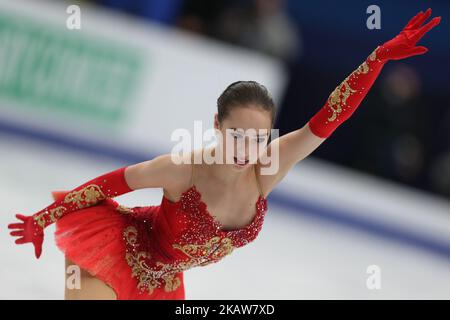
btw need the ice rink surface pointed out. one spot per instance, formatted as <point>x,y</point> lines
<point>326,226</point>
<point>297,255</point>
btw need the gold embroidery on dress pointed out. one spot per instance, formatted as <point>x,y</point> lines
<point>373,55</point>
<point>85,197</point>
<point>152,277</point>
<point>147,277</point>
<point>363,68</point>
<point>215,248</point>
<point>54,214</point>
<point>335,101</point>
<point>57,213</point>
<point>123,209</point>
<point>136,261</point>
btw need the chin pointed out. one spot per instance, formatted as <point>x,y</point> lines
<point>240,167</point>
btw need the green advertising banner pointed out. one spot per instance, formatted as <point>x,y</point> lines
<point>47,68</point>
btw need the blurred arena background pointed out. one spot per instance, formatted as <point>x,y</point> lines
<point>77,103</point>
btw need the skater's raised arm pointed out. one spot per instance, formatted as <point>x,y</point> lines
<point>159,172</point>
<point>344,100</point>
<point>151,173</point>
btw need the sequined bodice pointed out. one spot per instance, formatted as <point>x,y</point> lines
<point>163,240</point>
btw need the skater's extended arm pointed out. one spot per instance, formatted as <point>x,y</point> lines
<point>31,229</point>
<point>151,173</point>
<point>347,96</point>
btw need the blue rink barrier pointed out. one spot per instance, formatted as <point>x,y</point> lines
<point>297,204</point>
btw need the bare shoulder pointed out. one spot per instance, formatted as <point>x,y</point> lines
<point>163,171</point>
<point>282,154</point>
<point>267,175</point>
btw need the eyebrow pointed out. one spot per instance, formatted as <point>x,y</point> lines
<point>259,135</point>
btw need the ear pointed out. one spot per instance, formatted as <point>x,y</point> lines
<point>216,121</point>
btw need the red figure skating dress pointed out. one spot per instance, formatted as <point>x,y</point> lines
<point>141,252</point>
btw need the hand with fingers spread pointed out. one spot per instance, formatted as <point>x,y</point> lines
<point>346,97</point>
<point>28,231</point>
<point>404,44</point>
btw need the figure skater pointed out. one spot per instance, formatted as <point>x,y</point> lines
<point>207,210</point>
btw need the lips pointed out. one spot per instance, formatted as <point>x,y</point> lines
<point>241,163</point>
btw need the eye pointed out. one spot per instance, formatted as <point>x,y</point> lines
<point>236,136</point>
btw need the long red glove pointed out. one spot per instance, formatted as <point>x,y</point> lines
<point>31,229</point>
<point>344,100</point>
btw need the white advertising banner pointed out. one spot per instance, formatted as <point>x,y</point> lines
<point>117,80</point>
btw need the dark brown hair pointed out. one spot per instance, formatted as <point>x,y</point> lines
<point>243,93</point>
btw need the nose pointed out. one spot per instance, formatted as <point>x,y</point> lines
<point>243,149</point>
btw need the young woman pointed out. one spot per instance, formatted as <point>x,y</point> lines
<point>207,210</point>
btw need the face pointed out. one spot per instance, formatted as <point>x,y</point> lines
<point>241,130</point>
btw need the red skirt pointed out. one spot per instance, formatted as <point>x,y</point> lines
<point>93,239</point>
